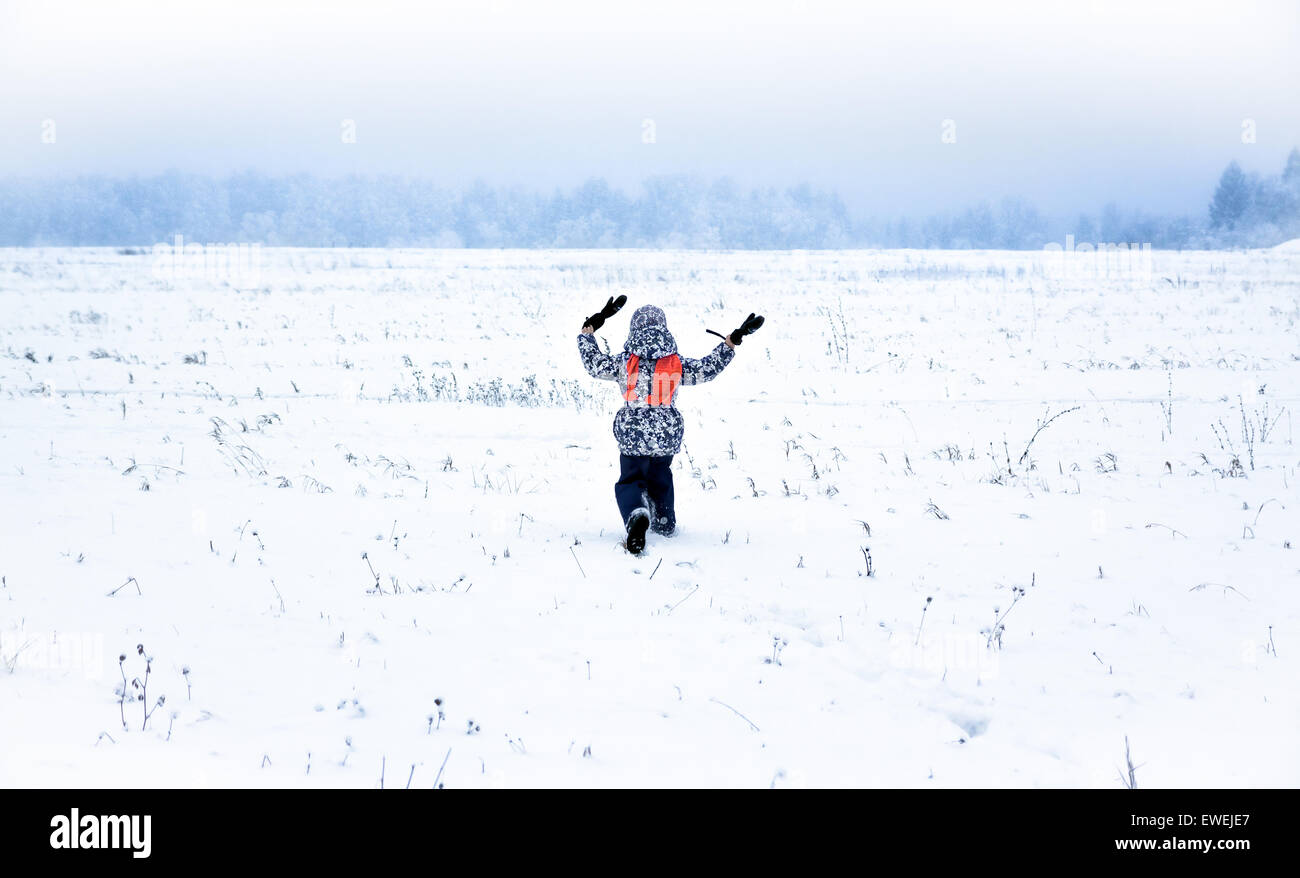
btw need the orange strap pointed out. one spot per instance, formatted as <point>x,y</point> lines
<point>667,377</point>
<point>633,369</point>
<point>668,374</point>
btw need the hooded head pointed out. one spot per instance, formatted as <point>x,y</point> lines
<point>649,336</point>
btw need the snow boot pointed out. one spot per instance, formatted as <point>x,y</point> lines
<point>664,525</point>
<point>637,524</point>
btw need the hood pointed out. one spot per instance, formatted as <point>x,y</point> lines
<point>649,336</point>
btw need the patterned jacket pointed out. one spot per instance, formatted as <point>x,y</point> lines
<point>649,422</point>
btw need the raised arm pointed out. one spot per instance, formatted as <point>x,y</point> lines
<point>709,367</point>
<point>597,363</point>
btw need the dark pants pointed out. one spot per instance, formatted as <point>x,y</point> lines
<point>647,481</point>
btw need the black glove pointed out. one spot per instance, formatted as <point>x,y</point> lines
<point>597,320</point>
<point>752,322</point>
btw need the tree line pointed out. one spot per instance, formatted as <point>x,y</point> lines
<point>670,211</point>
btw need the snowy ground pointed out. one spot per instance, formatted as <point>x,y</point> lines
<point>323,497</point>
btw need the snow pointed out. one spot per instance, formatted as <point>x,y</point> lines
<point>339,415</point>
<point>1292,246</point>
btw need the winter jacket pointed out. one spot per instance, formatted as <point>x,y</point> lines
<point>649,422</point>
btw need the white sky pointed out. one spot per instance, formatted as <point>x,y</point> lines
<point>1068,104</point>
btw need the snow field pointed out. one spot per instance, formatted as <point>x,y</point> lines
<point>327,494</point>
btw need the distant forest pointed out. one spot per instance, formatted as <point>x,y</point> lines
<point>1243,210</point>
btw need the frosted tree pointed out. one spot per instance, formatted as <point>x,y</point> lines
<point>1231,198</point>
<point>1291,173</point>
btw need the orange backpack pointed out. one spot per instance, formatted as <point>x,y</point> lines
<point>667,376</point>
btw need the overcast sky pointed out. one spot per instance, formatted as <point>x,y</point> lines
<point>1069,105</point>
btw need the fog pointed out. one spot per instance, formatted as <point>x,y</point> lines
<point>1068,106</point>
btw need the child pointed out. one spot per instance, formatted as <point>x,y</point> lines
<point>648,427</point>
